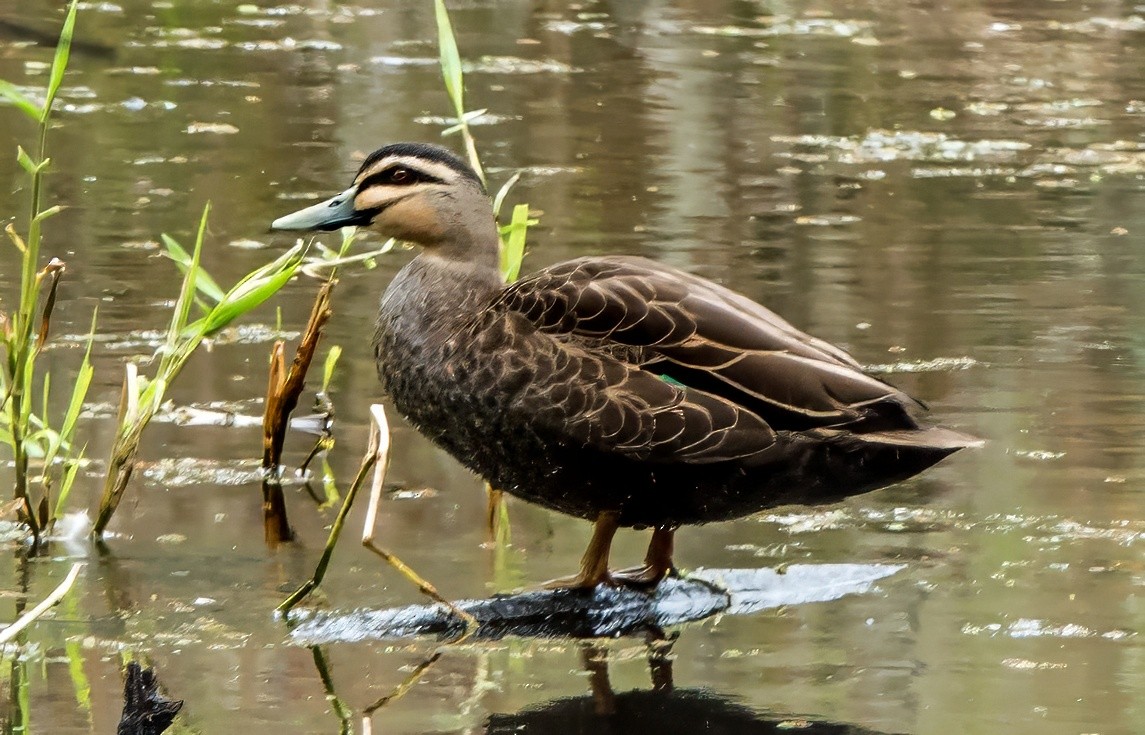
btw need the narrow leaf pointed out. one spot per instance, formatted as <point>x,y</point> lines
<point>50,211</point>
<point>503,192</point>
<point>513,251</point>
<point>450,58</point>
<point>15,238</point>
<point>66,481</point>
<point>186,295</point>
<point>9,92</point>
<point>233,307</point>
<point>328,369</point>
<point>182,259</point>
<point>60,62</point>
<point>25,160</point>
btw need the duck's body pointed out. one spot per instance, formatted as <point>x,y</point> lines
<point>613,388</point>
<point>544,406</point>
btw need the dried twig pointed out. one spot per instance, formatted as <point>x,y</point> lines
<point>282,392</point>
<point>29,617</point>
<point>375,460</point>
<point>286,386</point>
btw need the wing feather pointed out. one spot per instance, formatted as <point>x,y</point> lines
<point>712,340</point>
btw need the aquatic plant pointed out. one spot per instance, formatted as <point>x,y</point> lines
<point>25,329</point>
<point>142,397</point>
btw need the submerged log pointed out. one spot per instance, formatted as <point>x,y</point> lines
<point>604,611</point>
<point>145,710</point>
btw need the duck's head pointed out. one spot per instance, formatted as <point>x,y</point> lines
<point>415,192</point>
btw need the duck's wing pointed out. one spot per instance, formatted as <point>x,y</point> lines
<point>567,393</point>
<point>687,329</point>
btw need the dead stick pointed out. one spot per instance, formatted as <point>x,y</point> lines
<point>29,617</point>
<point>382,427</point>
<point>367,464</point>
<point>284,390</point>
<point>376,459</point>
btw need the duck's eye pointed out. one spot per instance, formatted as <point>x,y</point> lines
<point>399,176</point>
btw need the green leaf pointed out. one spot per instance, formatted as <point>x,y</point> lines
<point>513,247</point>
<point>328,369</point>
<point>237,304</point>
<point>60,62</point>
<point>25,160</point>
<point>50,211</point>
<point>450,58</point>
<point>186,297</point>
<point>182,259</point>
<point>9,92</point>
<point>66,482</point>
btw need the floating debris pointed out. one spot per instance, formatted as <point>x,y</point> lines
<point>188,471</point>
<point>933,365</point>
<point>1033,628</point>
<point>215,128</point>
<point>1039,454</point>
<point>516,65</point>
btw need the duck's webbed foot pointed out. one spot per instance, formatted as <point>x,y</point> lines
<point>657,563</point>
<point>594,563</point>
<point>594,566</point>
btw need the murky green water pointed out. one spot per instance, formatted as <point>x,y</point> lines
<point>956,194</point>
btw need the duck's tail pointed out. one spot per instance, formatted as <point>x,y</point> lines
<point>933,438</point>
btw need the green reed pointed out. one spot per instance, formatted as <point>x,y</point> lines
<point>142,396</point>
<point>25,329</point>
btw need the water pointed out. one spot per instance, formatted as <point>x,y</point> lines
<point>955,194</point>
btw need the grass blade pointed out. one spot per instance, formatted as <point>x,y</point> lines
<point>503,192</point>
<point>513,251</point>
<point>450,59</point>
<point>182,259</point>
<point>328,368</point>
<point>60,61</point>
<point>186,295</point>
<point>9,92</point>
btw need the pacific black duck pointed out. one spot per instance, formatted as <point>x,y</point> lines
<point>614,389</point>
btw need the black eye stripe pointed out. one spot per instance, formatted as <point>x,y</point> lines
<point>385,178</point>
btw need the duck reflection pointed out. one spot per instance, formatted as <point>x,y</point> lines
<point>664,709</point>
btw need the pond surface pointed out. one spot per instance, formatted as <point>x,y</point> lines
<point>955,193</point>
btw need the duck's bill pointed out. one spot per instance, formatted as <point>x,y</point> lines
<point>332,214</point>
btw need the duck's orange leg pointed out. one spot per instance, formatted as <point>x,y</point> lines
<point>657,562</point>
<point>594,563</point>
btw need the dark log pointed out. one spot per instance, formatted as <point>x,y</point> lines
<point>604,611</point>
<point>145,710</point>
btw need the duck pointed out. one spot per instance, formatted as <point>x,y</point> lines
<point>611,388</point>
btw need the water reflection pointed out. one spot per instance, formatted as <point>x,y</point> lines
<point>664,708</point>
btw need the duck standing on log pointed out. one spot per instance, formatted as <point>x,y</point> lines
<point>614,389</point>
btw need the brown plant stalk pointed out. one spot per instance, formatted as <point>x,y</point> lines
<point>283,389</point>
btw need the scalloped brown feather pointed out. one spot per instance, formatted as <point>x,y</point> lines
<point>712,339</point>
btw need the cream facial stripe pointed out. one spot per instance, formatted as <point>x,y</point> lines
<point>418,166</point>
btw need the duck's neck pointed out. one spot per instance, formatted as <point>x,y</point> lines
<point>469,239</point>
<point>435,294</point>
